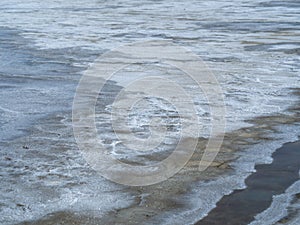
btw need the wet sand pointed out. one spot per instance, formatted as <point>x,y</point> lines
<point>253,47</point>
<point>151,202</point>
<point>241,206</point>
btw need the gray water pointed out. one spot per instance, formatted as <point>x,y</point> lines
<point>251,46</point>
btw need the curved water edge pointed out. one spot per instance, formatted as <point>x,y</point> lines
<point>268,181</point>
<point>181,199</point>
<point>253,48</point>
<point>249,147</point>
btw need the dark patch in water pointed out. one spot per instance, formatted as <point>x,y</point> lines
<point>130,35</point>
<point>289,4</point>
<point>251,26</point>
<point>272,47</point>
<point>20,57</point>
<point>35,82</point>
<point>224,59</point>
<point>241,206</point>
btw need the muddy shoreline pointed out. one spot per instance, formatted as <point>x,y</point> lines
<point>151,202</point>
<point>241,206</point>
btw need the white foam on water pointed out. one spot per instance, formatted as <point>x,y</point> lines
<point>279,207</point>
<point>95,199</point>
<point>255,83</point>
<point>205,195</point>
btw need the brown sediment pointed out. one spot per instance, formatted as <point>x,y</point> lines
<point>152,201</point>
<point>64,218</point>
<point>165,196</point>
<point>241,206</point>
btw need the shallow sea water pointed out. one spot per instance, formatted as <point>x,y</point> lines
<point>251,46</point>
